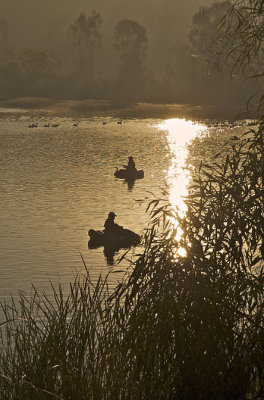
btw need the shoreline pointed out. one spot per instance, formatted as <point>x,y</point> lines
<point>102,108</point>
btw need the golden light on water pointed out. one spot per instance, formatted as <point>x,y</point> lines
<point>179,133</point>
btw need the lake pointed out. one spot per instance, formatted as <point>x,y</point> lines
<point>58,182</point>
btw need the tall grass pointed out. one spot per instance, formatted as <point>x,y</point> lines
<point>178,327</point>
<point>58,347</point>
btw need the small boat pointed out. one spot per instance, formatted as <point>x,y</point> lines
<point>128,174</point>
<point>124,238</point>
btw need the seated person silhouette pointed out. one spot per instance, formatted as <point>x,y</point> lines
<point>110,226</point>
<point>131,165</point>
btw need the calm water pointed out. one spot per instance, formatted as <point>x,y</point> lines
<point>57,183</point>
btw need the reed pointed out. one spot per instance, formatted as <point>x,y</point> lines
<point>58,347</point>
<point>177,327</point>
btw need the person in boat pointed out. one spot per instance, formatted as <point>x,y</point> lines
<point>131,167</point>
<point>110,226</point>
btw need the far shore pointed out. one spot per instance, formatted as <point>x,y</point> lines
<point>103,108</point>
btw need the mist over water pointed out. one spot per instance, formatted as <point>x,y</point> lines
<point>76,51</point>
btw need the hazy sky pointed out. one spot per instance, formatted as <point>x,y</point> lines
<point>45,22</point>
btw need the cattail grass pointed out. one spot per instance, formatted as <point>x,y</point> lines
<point>177,327</point>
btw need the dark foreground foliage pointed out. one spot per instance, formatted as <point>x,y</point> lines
<point>179,327</point>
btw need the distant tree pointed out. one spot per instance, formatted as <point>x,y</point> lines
<point>211,52</point>
<point>38,63</point>
<point>4,36</point>
<point>29,72</point>
<point>86,32</point>
<point>181,71</point>
<point>206,36</point>
<point>243,38</point>
<point>130,42</point>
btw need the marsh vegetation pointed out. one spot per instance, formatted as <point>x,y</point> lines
<point>178,326</point>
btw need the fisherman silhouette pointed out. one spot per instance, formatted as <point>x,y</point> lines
<point>131,164</point>
<point>110,226</point>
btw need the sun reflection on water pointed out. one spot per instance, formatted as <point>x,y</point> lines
<point>179,133</point>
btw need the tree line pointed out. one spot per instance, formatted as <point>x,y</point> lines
<point>193,72</point>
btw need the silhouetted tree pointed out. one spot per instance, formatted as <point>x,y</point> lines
<point>130,41</point>
<point>4,36</point>
<point>206,37</point>
<point>29,72</point>
<point>219,83</point>
<point>86,31</point>
<point>242,34</point>
<point>178,65</point>
<point>38,63</point>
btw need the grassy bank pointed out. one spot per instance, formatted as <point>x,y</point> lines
<point>178,327</point>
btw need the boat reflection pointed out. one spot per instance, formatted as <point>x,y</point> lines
<point>130,181</point>
<point>109,252</point>
<point>130,184</point>
<point>179,133</point>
